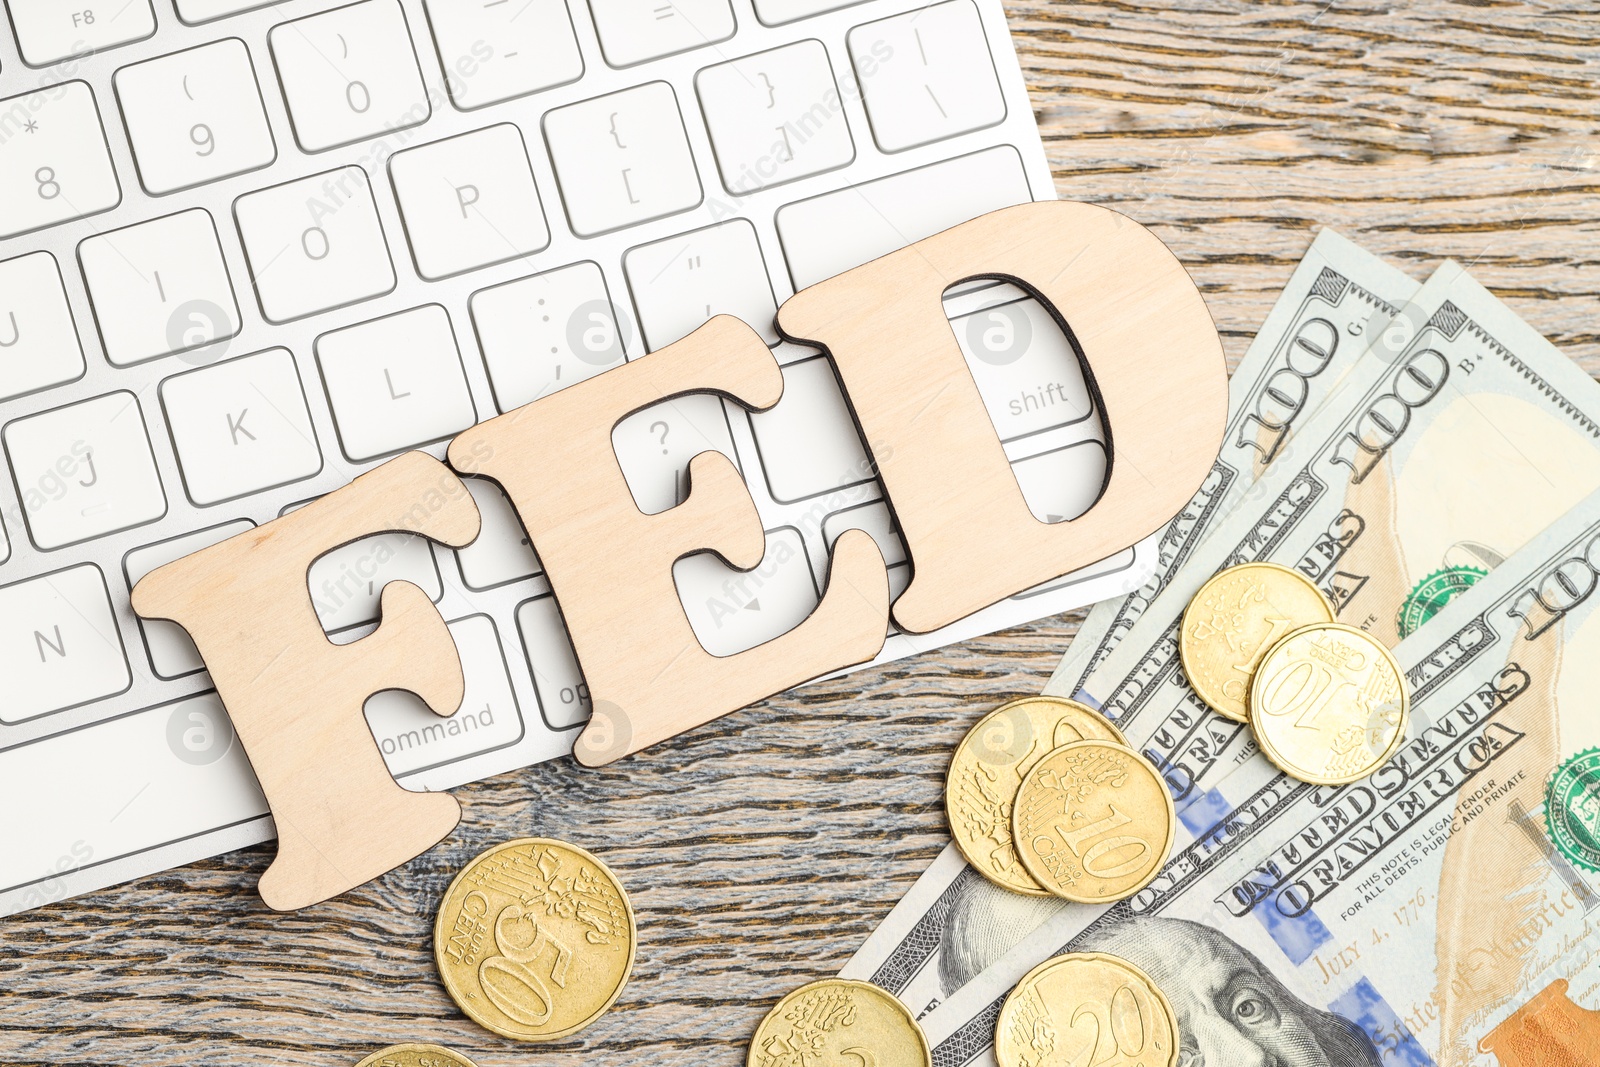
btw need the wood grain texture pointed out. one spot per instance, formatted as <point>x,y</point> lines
<point>761,849</point>
<point>1143,332</point>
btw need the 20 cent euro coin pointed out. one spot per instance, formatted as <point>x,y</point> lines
<point>1234,620</point>
<point>413,1055</point>
<point>839,1021</point>
<point>1086,1008</point>
<point>535,939</point>
<point>988,767</point>
<point>1093,822</point>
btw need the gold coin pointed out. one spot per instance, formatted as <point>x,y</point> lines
<point>1093,822</point>
<point>1086,1007</point>
<point>1234,620</point>
<point>838,1021</point>
<point>1329,704</point>
<point>412,1055</point>
<point>535,939</point>
<point>988,767</point>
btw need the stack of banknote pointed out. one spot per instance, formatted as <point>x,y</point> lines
<point>1431,463</point>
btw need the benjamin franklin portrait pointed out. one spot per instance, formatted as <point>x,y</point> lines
<point>1232,1011</point>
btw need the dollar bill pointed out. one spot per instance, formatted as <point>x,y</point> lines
<point>1459,436</point>
<point>1338,297</point>
<point>1433,914</point>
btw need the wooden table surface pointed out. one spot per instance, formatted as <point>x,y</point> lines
<point>761,850</point>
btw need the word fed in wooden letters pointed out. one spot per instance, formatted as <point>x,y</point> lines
<point>1153,361</point>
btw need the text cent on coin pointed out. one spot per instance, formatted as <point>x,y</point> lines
<point>412,1055</point>
<point>839,1021</point>
<point>1093,822</point>
<point>1086,1007</point>
<point>1234,620</point>
<point>535,939</point>
<point>988,767</point>
<point>1329,704</point>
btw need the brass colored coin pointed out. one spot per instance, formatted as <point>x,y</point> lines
<point>1093,822</point>
<point>535,939</point>
<point>1086,1007</point>
<point>988,767</point>
<point>1329,704</point>
<point>1234,620</point>
<point>839,1021</point>
<point>411,1055</point>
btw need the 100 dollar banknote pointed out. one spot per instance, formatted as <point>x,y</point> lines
<point>1338,297</point>
<point>1440,912</point>
<point>1460,436</point>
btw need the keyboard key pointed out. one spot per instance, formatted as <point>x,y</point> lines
<point>349,74</point>
<point>734,611</point>
<point>1064,483</point>
<point>778,12</point>
<point>831,233</point>
<point>654,447</point>
<point>149,779</point>
<point>932,75</point>
<point>48,31</point>
<point>59,645</point>
<point>240,427</point>
<point>775,117</point>
<point>632,31</point>
<point>314,244</point>
<point>412,738</point>
<point>495,51</point>
<point>874,519</point>
<point>622,158</point>
<point>563,694</point>
<point>195,12</point>
<point>159,287</point>
<point>56,166</point>
<point>682,281</point>
<point>38,341</point>
<point>502,553</point>
<point>395,382</point>
<point>172,651</point>
<point>347,583</point>
<point>1025,369</point>
<point>543,333</point>
<point>84,470</point>
<point>195,117</point>
<point>808,441</point>
<point>469,201</point>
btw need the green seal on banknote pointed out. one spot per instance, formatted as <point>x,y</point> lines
<point>1431,594</point>
<point>1572,809</point>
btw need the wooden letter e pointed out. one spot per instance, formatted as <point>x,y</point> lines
<point>610,565</point>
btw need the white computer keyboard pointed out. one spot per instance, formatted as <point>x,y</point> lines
<point>248,251</point>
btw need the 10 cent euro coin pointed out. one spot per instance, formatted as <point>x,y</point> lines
<point>988,768</point>
<point>843,1022</point>
<point>1086,1008</point>
<point>1329,704</point>
<point>1093,822</point>
<point>535,939</point>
